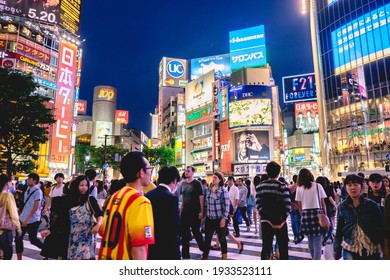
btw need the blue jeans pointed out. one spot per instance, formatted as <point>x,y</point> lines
<point>315,246</point>
<point>329,233</point>
<point>249,212</point>
<point>348,255</point>
<point>295,223</point>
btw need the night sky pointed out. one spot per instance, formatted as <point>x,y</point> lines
<point>125,41</point>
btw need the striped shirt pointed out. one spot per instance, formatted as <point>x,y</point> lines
<point>127,223</point>
<point>217,203</point>
<point>273,201</point>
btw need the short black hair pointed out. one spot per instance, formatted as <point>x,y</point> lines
<point>91,174</point>
<point>256,180</point>
<point>231,178</point>
<point>4,178</point>
<point>168,174</point>
<point>273,169</point>
<point>131,164</point>
<point>34,176</point>
<point>61,175</point>
<point>295,177</point>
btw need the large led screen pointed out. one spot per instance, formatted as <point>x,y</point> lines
<point>66,13</point>
<point>299,88</point>
<point>306,116</point>
<point>247,48</point>
<point>219,63</point>
<point>250,106</point>
<point>252,146</point>
<point>362,40</point>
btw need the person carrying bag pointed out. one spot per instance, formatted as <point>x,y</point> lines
<point>9,219</point>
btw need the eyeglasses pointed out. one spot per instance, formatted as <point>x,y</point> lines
<point>151,168</point>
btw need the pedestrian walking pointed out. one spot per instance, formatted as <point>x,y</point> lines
<point>166,216</point>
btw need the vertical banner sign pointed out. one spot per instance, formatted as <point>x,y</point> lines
<point>215,108</point>
<point>64,104</point>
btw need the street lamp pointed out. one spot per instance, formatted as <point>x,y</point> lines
<point>87,159</point>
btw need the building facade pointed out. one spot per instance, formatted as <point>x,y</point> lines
<point>353,65</point>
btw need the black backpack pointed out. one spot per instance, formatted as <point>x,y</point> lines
<point>19,196</point>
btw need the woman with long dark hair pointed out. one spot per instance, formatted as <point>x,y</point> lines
<point>8,202</point>
<point>310,197</point>
<point>82,207</point>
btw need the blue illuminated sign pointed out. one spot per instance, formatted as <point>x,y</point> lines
<point>175,68</point>
<point>219,63</point>
<point>45,83</point>
<point>247,48</point>
<point>361,41</point>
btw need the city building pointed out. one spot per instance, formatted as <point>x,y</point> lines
<point>352,64</point>
<point>45,41</point>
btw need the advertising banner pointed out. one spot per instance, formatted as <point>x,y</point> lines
<point>181,110</point>
<point>65,12</point>
<point>37,53</point>
<point>226,142</point>
<point>306,116</point>
<point>121,116</point>
<point>199,91</point>
<point>250,106</point>
<point>252,146</point>
<point>247,48</point>
<point>60,147</point>
<point>198,116</point>
<point>223,95</point>
<point>362,40</point>
<point>299,88</point>
<point>173,72</point>
<point>82,107</point>
<point>144,139</point>
<point>154,126</point>
<point>103,128</point>
<point>69,15</point>
<point>215,102</point>
<point>219,63</point>
<point>45,11</point>
<point>245,169</point>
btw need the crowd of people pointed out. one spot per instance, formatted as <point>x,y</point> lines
<point>138,220</point>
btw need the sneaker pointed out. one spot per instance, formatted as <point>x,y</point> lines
<point>236,235</point>
<point>215,247</point>
<point>248,229</point>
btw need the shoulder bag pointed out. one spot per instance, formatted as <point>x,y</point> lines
<point>90,208</point>
<point>322,218</point>
<point>5,219</point>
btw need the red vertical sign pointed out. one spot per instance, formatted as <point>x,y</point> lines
<point>60,148</point>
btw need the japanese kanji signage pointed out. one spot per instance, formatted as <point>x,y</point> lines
<point>64,104</point>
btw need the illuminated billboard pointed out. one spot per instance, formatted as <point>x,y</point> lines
<point>299,88</point>
<point>69,15</point>
<point>250,106</point>
<point>252,146</point>
<point>199,91</point>
<point>173,72</point>
<point>66,13</point>
<point>60,146</point>
<point>121,116</point>
<point>203,65</point>
<point>82,107</point>
<point>306,116</point>
<point>247,48</point>
<point>362,40</point>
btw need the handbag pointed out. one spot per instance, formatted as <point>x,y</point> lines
<point>93,218</point>
<point>322,218</point>
<point>5,219</point>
